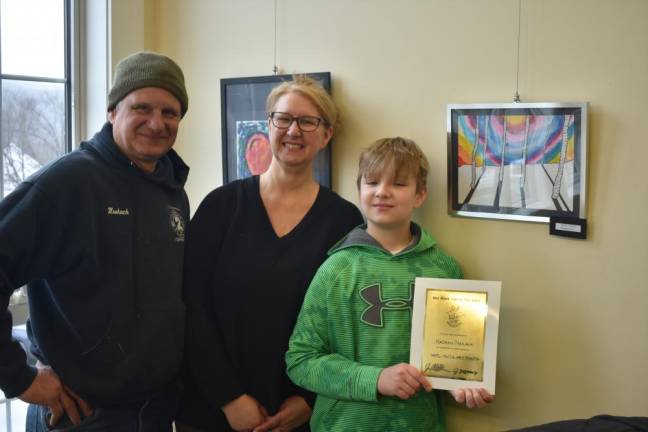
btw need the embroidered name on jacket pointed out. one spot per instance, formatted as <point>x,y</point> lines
<point>116,211</point>
<point>372,295</point>
<point>177,223</point>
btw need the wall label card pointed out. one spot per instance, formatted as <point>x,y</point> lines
<point>568,227</point>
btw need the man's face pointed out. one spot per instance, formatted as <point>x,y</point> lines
<point>145,125</point>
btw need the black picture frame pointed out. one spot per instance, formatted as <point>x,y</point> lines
<point>517,161</point>
<point>244,122</point>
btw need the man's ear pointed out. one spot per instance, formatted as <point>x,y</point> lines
<point>111,115</point>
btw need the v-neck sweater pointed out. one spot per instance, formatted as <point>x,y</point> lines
<point>244,287</point>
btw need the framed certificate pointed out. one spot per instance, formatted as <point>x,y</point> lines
<point>454,332</point>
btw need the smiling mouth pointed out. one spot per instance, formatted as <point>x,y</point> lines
<point>293,146</point>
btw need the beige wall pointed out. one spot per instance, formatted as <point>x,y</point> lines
<point>574,327</point>
<point>128,28</point>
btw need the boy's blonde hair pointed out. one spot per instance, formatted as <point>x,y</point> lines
<point>403,153</point>
<point>311,90</point>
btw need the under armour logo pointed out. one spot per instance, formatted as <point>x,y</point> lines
<point>372,295</point>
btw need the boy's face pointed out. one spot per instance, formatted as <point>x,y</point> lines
<point>388,199</point>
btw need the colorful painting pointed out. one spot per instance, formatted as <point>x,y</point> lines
<point>517,161</point>
<point>252,148</point>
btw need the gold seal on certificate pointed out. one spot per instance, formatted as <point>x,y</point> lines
<point>454,332</point>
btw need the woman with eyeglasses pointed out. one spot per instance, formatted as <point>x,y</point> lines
<point>253,247</point>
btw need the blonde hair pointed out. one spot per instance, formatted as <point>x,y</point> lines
<point>403,153</point>
<point>311,90</point>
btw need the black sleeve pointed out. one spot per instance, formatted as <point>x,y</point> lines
<point>346,217</point>
<point>30,229</point>
<point>209,364</point>
<point>355,219</point>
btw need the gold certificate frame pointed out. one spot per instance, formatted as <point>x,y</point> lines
<point>454,332</point>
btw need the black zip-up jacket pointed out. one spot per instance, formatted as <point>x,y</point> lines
<point>100,245</point>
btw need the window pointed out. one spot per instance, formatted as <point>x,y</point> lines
<point>35,112</point>
<point>35,89</point>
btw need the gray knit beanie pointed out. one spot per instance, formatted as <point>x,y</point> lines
<point>147,69</point>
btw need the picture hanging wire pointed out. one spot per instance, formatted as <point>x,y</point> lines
<point>275,68</point>
<point>516,97</point>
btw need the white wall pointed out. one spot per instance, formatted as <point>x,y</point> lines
<point>108,31</point>
<point>127,28</point>
<point>92,77</point>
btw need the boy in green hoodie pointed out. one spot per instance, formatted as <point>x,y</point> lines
<point>351,341</point>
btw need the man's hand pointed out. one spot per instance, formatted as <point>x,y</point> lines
<point>473,397</point>
<point>47,389</point>
<point>244,413</point>
<point>293,412</point>
<point>402,380</point>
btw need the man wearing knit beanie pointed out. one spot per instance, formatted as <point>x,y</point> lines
<point>144,83</point>
<point>147,69</point>
<point>98,238</point>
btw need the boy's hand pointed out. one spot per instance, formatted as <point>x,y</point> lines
<point>473,397</point>
<point>402,380</point>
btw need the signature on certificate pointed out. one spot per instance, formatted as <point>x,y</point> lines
<point>431,368</point>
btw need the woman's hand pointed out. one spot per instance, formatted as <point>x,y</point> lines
<point>472,397</point>
<point>292,413</point>
<point>244,413</point>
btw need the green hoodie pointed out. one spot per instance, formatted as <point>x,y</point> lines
<point>355,321</point>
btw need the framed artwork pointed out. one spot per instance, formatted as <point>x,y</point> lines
<point>244,124</point>
<point>519,161</point>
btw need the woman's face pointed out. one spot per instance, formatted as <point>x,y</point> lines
<point>292,147</point>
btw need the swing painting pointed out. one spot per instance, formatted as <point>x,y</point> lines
<point>519,161</point>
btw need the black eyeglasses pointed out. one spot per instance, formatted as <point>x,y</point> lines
<point>283,120</point>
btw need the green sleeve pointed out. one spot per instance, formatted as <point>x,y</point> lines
<point>311,362</point>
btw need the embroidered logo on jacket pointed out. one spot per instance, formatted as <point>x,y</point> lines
<point>116,211</point>
<point>177,223</point>
<point>372,295</point>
